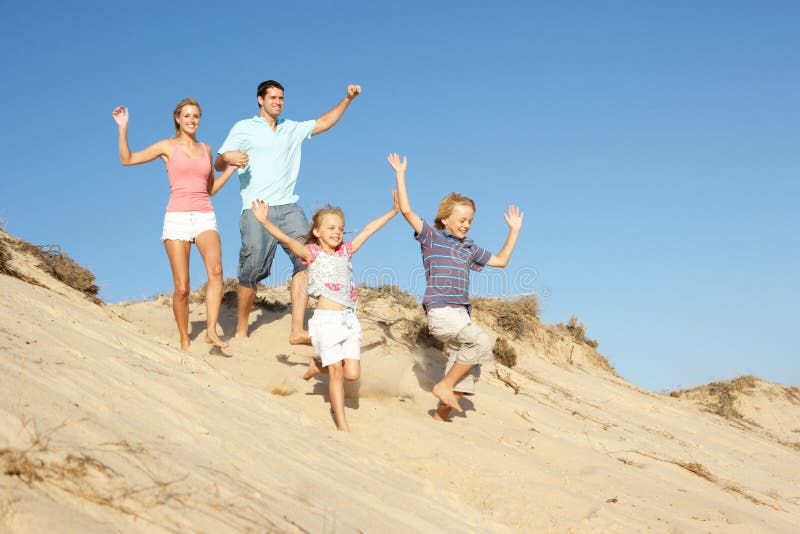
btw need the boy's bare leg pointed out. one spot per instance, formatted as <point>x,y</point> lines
<point>297,290</point>
<point>245,297</point>
<point>443,411</point>
<point>444,389</point>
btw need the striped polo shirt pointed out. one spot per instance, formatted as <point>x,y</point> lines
<point>447,261</point>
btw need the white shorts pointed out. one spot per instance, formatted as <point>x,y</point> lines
<point>335,335</point>
<point>187,225</point>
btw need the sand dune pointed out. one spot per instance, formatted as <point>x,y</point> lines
<point>106,426</point>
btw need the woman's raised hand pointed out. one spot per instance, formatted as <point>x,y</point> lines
<point>120,115</point>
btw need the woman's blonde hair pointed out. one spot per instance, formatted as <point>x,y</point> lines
<point>316,221</point>
<point>185,102</point>
<point>446,207</point>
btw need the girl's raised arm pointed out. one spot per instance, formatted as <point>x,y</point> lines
<point>215,184</point>
<point>399,167</point>
<point>261,212</point>
<point>375,225</point>
<point>150,153</point>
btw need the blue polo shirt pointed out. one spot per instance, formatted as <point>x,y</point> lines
<point>274,158</point>
<point>448,261</point>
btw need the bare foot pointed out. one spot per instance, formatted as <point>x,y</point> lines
<point>215,340</point>
<point>185,343</point>
<point>442,412</point>
<point>241,334</point>
<point>300,338</point>
<point>313,369</point>
<point>446,396</point>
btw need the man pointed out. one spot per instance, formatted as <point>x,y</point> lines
<point>266,149</point>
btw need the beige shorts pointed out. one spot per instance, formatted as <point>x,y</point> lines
<point>335,335</point>
<point>464,342</point>
<point>187,225</point>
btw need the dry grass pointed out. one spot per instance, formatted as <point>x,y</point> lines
<point>577,331</point>
<point>419,335</point>
<point>514,317</point>
<point>367,294</point>
<point>721,396</point>
<point>504,353</point>
<point>53,261</point>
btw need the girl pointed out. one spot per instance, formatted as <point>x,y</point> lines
<point>189,216</point>
<point>334,329</point>
<point>448,255</point>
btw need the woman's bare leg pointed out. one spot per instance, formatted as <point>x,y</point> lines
<point>211,250</point>
<point>178,254</point>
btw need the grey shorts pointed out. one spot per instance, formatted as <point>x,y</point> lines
<point>258,246</point>
<point>464,342</point>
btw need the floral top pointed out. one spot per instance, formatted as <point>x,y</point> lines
<point>330,274</point>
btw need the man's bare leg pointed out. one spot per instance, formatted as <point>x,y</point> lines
<point>245,298</point>
<point>444,389</point>
<point>297,290</point>
<point>443,411</point>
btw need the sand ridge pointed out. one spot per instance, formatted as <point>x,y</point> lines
<point>107,426</point>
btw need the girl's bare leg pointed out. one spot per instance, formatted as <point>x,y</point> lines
<point>178,254</point>
<point>336,392</point>
<point>211,250</point>
<point>352,369</point>
<point>314,369</point>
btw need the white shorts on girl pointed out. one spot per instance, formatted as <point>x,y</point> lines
<point>187,225</point>
<point>335,335</point>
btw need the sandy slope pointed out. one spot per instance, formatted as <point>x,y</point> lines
<point>105,426</point>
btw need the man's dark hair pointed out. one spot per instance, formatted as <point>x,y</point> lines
<point>263,86</point>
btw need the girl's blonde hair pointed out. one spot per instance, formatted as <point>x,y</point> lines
<point>185,102</point>
<point>316,221</point>
<point>446,207</point>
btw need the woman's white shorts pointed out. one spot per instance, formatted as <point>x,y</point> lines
<point>187,225</point>
<point>335,335</point>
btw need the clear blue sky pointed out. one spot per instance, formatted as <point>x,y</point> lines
<point>652,146</point>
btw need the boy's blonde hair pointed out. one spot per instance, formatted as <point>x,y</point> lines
<point>446,207</point>
<point>316,220</point>
<point>183,103</point>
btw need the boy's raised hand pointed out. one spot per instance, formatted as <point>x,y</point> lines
<point>260,210</point>
<point>396,204</point>
<point>397,164</point>
<point>513,217</point>
<point>120,115</point>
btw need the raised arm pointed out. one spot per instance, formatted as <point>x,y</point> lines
<point>514,221</point>
<point>375,225</point>
<point>261,212</point>
<point>399,167</point>
<point>150,153</point>
<point>215,184</point>
<point>332,116</point>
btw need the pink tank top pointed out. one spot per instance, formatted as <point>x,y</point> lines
<point>188,181</point>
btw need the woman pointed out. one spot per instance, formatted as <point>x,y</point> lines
<point>189,216</point>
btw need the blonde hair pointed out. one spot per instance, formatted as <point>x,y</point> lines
<point>446,207</point>
<point>183,103</point>
<point>316,221</point>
